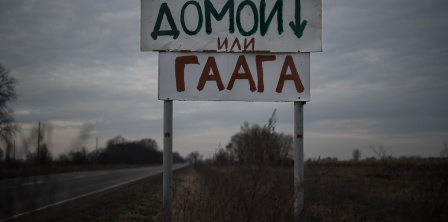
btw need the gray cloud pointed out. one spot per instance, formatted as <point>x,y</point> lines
<point>380,79</point>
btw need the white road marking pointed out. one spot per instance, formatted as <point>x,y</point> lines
<point>32,183</point>
<point>87,194</point>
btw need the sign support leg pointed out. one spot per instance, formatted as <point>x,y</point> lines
<point>167,160</point>
<point>298,161</point>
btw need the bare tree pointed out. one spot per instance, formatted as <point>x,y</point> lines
<point>118,140</point>
<point>381,152</point>
<point>194,157</point>
<point>260,145</point>
<point>444,152</point>
<point>386,159</point>
<point>356,155</point>
<point>8,126</point>
<point>222,156</point>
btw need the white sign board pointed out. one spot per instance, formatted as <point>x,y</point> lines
<point>234,76</point>
<point>231,25</point>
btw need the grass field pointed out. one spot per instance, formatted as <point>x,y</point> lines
<point>390,190</point>
<point>393,190</point>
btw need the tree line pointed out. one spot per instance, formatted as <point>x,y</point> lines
<point>117,151</point>
<point>120,151</point>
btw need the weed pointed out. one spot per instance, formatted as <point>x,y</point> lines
<point>334,191</point>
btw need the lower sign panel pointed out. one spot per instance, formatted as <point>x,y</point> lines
<point>234,76</point>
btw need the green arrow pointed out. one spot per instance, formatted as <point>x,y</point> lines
<point>299,26</point>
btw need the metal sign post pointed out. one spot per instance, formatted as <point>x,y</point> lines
<point>167,160</point>
<point>298,161</point>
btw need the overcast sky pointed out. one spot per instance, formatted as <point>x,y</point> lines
<point>382,78</point>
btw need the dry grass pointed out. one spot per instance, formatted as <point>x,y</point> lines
<point>214,193</point>
<point>334,191</point>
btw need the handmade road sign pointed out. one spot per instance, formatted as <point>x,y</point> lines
<point>234,76</point>
<point>231,25</point>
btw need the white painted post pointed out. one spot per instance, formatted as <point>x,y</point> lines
<point>298,161</point>
<point>167,160</point>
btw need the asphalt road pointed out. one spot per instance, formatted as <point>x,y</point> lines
<point>22,195</point>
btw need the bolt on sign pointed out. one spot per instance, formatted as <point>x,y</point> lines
<point>231,25</point>
<point>234,76</point>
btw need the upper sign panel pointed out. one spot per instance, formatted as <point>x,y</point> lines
<point>231,25</point>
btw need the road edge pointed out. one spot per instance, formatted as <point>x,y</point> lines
<point>27,215</point>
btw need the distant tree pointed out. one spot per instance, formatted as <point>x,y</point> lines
<point>194,157</point>
<point>444,152</point>
<point>94,156</point>
<point>79,156</point>
<point>116,141</point>
<point>177,158</point>
<point>9,146</point>
<point>64,159</point>
<point>356,155</point>
<point>1,154</point>
<point>45,156</point>
<point>222,156</point>
<point>121,151</point>
<point>414,157</point>
<point>31,157</point>
<point>149,143</point>
<point>329,159</point>
<point>381,152</point>
<point>8,126</point>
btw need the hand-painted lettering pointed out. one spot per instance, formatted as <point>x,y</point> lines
<point>248,45</point>
<point>259,59</point>
<point>210,10</point>
<point>289,62</point>
<point>242,63</point>
<point>182,18</point>
<point>264,24</point>
<point>261,19</point>
<point>210,73</point>
<point>299,26</point>
<point>224,43</point>
<point>210,65</point>
<point>236,42</point>
<point>165,10</point>
<point>253,7</point>
<point>179,69</point>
